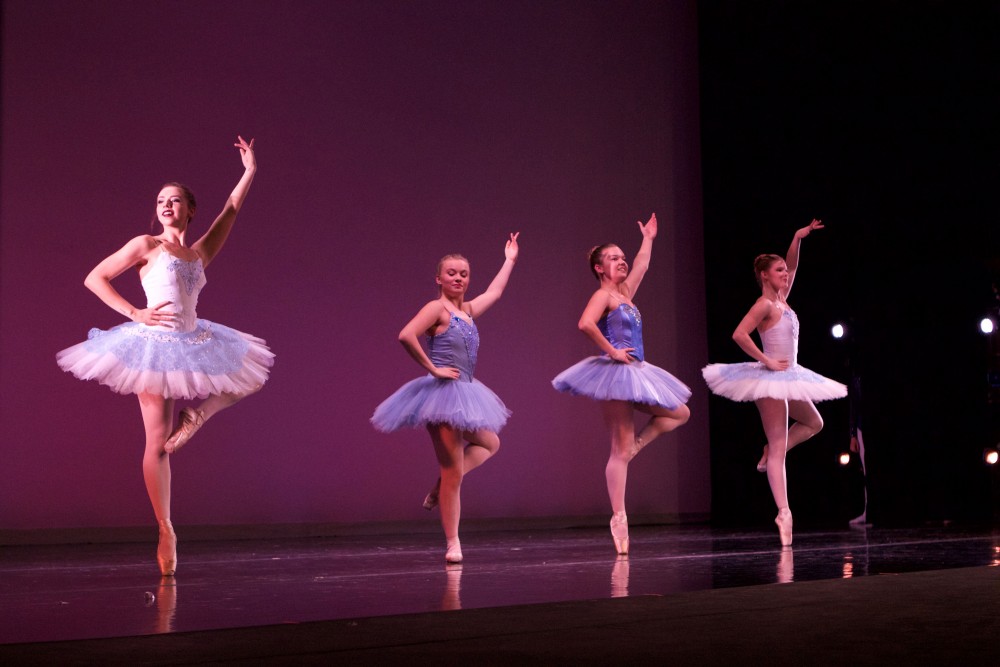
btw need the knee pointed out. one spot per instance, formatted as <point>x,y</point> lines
<point>683,415</point>
<point>815,425</point>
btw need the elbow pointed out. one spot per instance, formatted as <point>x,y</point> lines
<point>91,281</point>
<point>583,325</point>
<point>738,336</point>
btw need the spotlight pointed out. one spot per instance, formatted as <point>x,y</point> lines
<point>845,458</point>
<point>838,331</point>
<point>991,456</point>
<point>987,325</point>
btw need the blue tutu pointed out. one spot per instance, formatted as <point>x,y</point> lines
<point>465,404</point>
<point>604,379</point>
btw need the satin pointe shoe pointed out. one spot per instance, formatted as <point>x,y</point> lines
<point>430,501</point>
<point>762,464</point>
<point>784,523</point>
<point>454,553</point>
<point>190,421</point>
<point>166,549</point>
<point>619,532</point>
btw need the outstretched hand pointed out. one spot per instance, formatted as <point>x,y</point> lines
<point>510,249</point>
<point>804,232</point>
<point>246,153</point>
<point>649,229</point>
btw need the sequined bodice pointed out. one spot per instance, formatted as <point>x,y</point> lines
<point>456,347</point>
<point>178,281</point>
<point>623,328</point>
<point>782,340</point>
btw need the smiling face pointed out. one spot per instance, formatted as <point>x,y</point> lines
<point>611,265</point>
<point>174,207</point>
<point>775,275</point>
<point>453,276</point>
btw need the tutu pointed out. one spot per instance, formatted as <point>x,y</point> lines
<point>465,404</point>
<point>605,379</point>
<point>132,358</point>
<point>196,359</point>
<point>750,381</point>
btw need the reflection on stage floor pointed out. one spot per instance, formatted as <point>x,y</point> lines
<point>58,592</point>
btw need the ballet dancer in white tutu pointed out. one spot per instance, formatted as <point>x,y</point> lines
<point>166,352</point>
<point>620,379</point>
<point>462,415</point>
<point>776,382</point>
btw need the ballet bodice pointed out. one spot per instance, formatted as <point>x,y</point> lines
<point>456,347</point>
<point>782,340</point>
<point>622,327</point>
<point>178,281</point>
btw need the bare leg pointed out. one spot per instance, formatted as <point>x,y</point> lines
<point>448,447</point>
<point>482,445</point>
<point>157,415</point>
<point>774,417</point>
<point>661,421</point>
<point>808,423</point>
<point>618,416</point>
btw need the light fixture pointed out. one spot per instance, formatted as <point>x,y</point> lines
<point>991,456</point>
<point>845,458</point>
<point>838,330</point>
<point>987,325</point>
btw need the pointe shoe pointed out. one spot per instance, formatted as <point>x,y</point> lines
<point>619,532</point>
<point>190,421</point>
<point>166,549</point>
<point>636,447</point>
<point>784,523</point>
<point>454,553</point>
<point>430,501</point>
<point>762,464</point>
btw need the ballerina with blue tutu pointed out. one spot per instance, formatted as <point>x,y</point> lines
<point>462,415</point>
<point>166,352</point>
<point>620,378</point>
<point>780,387</point>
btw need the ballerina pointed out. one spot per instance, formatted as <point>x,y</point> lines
<point>453,406</point>
<point>776,382</point>
<point>620,379</point>
<point>166,352</point>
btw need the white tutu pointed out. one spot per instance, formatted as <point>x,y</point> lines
<point>752,380</point>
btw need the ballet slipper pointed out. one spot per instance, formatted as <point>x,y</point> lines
<point>190,421</point>
<point>166,549</point>
<point>762,464</point>
<point>430,501</point>
<point>619,532</point>
<point>784,523</point>
<point>636,448</point>
<point>454,553</point>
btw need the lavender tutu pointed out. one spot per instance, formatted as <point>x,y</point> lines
<point>465,404</point>
<point>750,381</point>
<point>605,379</point>
<point>195,359</point>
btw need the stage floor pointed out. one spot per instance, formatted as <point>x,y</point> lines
<point>67,592</point>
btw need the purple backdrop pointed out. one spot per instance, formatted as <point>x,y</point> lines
<point>388,134</point>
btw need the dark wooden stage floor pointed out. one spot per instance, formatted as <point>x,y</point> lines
<point>540,596</point>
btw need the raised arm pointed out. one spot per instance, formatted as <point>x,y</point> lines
<point>599,304</point>
<point>792,257</point>
<point>209,245</point>
<point>99,280</point>
<point>757,314</point>
<point>641,262</point>
<point>429,316</point>
<point>484,301</point>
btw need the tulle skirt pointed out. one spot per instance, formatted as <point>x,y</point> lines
<point>133,358</point>
<point>752,380</point>
<point>604,379</point>
<point>464,405</point>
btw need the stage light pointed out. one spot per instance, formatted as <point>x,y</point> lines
<point>991,456</point>
<point>838,331</point>
<point>845,458</point>
<point>987,325</point>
